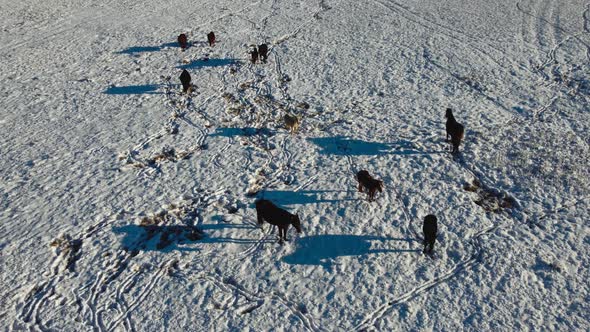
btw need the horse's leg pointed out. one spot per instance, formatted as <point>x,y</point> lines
<point>455,147</point>
<point>259,216</point>
<point>280,234</point>
<point>429,246</point>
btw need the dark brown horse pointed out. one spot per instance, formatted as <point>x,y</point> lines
<point>274,215</point>
<point>183,41</point>
<point>369,183</point>
<point>211,38</point>
<point>455,130</point>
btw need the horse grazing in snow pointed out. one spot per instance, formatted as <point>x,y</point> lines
<point>455,130</point>
<point>274,215</point>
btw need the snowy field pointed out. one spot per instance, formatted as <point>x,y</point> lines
<point>127,206</point>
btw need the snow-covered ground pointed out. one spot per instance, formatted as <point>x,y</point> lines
<point>123,207</point>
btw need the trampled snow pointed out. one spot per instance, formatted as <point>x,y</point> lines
<point>126,205</point>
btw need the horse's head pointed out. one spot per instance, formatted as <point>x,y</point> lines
<point>449,113</point>
<point>296,222</point>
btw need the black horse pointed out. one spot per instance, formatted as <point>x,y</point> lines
<point>274,215</point>
<point>254,55</point>
<point>185,79</point>
<point>430,230</point>
<point>455,130</point>
<point>263,52</point>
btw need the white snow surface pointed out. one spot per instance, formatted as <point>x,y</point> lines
<point>84,114</point>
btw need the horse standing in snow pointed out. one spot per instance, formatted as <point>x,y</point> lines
<point>254,55</point>
<point>292,122</point>
<point>183,41</point>
<point>430,230</point>
<point>211,38</point>
<point>263,52</point>
<point>274,215</point>
<point>455,130</point>
<point>185,79</point>
<point>369,183</point>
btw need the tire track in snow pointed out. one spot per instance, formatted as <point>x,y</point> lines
<point>443,30</point>
<point>463,265</point>
<point>96,289</point>
<point>306,183</point>
<point>256,300</point>
<point>539,16</point>
<point>155,279</point>
<point>215,158</point>
<point>231,287</point>
<point>298,311</point>
<point>586,17</point>
<point>36,299</point>
<point>264,21</point>
<point>179,109</point>
<point>323,7</point>
<point>231,13</point>
<point>95,318</point>
<point>56,30</point>
<point>527,27</point>
<point>283,167</point>
<point>535,16</point>
<point>33,303</point>
<point>118,266</point>
<point>124,287</point>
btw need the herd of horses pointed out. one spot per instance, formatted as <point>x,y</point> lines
<point>274,215</point>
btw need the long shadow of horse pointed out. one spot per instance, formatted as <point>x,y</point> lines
<point>246,131</point>
<point>341,145</point>
<point>167,238</point>
<point>146,49</point>
<point>154,237</point>
<point>133,89</point>
<point>285,197</point>
<point>201,63</point>
<point>321,249</point>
